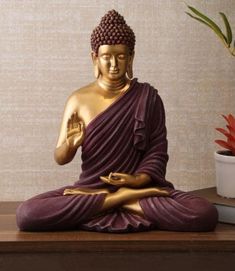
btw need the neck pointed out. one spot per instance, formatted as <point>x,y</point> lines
<point>114,86</point>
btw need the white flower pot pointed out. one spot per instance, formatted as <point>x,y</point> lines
<point>225,174</point>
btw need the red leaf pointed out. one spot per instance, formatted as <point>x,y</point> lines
<point>223,131</point>
<point>226,118</point>
<point>231,142</point>
<point>231,130</point>
<point>223,144</point>
<point>231,138</point>
<point>232,148</point>
<point>231,120</point>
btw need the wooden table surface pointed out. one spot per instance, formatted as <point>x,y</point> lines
<point>222,239</point>
<point>92,251</point>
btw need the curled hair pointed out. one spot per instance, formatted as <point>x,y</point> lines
<point>112,30</point>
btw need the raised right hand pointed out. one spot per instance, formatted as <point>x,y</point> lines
<point>75,131</point>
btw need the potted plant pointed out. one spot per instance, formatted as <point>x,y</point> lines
<point>225,160</point>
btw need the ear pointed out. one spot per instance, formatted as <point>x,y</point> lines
<point>130,66</point>
<point>93,57</point>
<point>95,64</point>
<point>132,57</point>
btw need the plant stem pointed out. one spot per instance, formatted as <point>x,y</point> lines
<point>232,51</point>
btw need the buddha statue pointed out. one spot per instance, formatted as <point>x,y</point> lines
<point>119,123</point>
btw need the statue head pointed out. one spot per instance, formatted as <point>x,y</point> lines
<point>113,37</point>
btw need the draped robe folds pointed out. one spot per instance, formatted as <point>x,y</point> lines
<point>129,137</point>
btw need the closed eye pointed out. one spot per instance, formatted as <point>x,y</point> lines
<point>122,56</point>
<point>106,57</point>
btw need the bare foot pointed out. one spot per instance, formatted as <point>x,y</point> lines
<point>145,192</point>
<point>84,191</point>
<point>124,195</point>
<point>133,207</point>
<point>160,192</point>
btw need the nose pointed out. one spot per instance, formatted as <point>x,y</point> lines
<point>113,62</point>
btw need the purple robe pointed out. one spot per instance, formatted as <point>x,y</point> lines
<point>129,137</point>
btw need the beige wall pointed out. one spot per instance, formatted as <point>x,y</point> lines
<point>44,52</point>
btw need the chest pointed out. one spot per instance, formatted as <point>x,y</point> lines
<point>94,105</point>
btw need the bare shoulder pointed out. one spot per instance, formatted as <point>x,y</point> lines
<point>80,95</point>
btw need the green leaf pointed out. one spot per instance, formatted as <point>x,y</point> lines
<point>198,19</point>
<point>228,28</point>
<point>213,25</point>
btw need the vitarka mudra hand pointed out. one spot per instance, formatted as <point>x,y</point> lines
<point>120,125</point>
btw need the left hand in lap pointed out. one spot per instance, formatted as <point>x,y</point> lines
<point>119,179</point>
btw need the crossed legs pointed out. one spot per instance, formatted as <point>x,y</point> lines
<point>126,198</point>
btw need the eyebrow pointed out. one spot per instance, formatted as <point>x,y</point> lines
<point>118,53</point>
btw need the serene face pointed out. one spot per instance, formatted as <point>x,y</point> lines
<point>113,61</point>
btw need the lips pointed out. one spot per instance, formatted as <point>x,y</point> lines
<point>114,71</point>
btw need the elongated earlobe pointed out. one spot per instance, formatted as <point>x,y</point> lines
<point>95,64</point>
<point>96,71</point>
<point>129,71</point>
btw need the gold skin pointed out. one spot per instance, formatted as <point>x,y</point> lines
<point>111,65</point>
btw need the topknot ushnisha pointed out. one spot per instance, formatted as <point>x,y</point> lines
<point>112,30</point>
